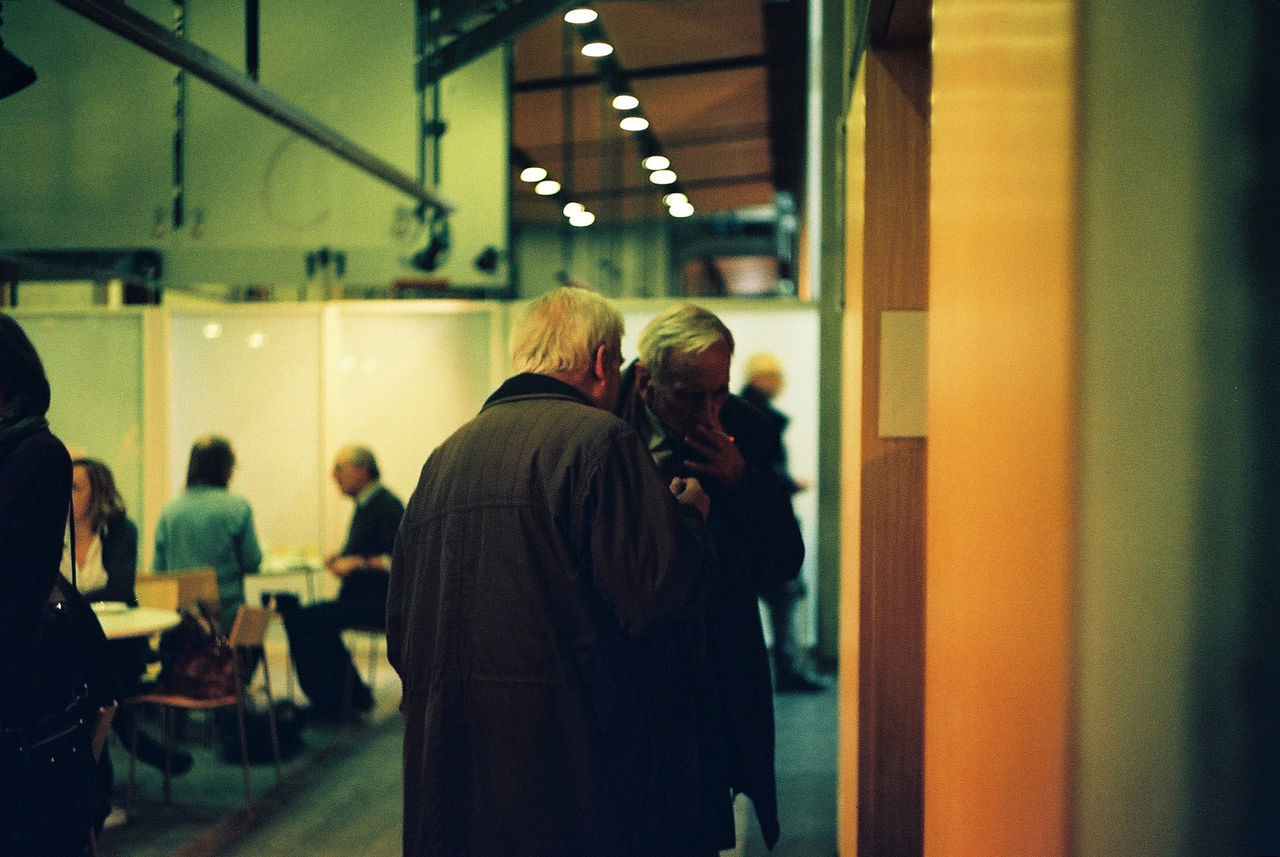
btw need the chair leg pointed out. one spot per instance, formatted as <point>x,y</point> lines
<point>244,754</point>
<point>348,693</point>
<point>271,714</point>
<point>166,735</point>
<point>133,761</point>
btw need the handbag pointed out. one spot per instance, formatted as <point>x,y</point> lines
<point>70,647</point>
<point>195,658</point>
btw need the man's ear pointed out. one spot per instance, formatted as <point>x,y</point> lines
<point>600,366</point>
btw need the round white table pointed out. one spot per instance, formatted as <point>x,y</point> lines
<point>136,621</point>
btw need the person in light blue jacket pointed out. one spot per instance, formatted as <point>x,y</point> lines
<point>207,525</point>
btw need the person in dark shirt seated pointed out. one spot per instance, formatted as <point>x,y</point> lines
<point>322,662</point>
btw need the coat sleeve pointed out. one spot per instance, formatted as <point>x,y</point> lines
<point>650,557</point>
<point>120,559</point>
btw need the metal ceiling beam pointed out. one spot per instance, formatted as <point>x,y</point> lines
<point>479,40</point>
<point>646,73</point>
<point>152,37</point>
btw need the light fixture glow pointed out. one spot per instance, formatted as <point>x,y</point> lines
<point>546,187</point>
<point>633,123</point>
<point>582,218</point>
<point>597,49</point>
<point>681,210</point>
<point>657,162</point>
<point>572,208</point>
<point>255,340</point>
<point>533,174</point>
<point>662,177</point>
<point>676,198</point>
<point>625,102</point>
<point>580,15</point>
<point>212,330</point>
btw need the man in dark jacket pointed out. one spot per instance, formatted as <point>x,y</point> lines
<point>538,554</point>
<point>322,661</point>
<point>677,397</point>
<point>791,672</point>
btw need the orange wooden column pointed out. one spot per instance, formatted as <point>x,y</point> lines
<point>1002,404</point>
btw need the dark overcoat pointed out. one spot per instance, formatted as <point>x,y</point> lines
<point>537,551</point>
<point>759,545</point>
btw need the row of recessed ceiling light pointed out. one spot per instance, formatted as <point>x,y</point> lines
<point>659,166</point>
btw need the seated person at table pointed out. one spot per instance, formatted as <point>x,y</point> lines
<point>208,526</point>
<point>315,632</point>
<point>106,565</point>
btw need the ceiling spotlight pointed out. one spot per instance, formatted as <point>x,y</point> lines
<point>625,101</point>
<point>582,218</point>
<point>487,261</point>
<point>662,177</point>
<point>657,162</point>
<point>681,210</point>
<point>676,198</point>
<point>533,174</point>
<point>547,187</point>
<point>580,15</point>
<point>633,123</point>
<point>597,49</point>
<point>572,208</point>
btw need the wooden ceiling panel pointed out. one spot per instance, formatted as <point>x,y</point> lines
<point>713,121</point>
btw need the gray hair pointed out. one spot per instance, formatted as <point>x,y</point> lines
<point>562,329</point>
<point>361,456</point>
<point>683,330</point>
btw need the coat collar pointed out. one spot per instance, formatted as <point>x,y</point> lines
<point>531,384</point>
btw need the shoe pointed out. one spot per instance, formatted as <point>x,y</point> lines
<point>796,682</point>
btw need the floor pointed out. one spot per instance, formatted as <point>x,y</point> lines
<point>342,795</point>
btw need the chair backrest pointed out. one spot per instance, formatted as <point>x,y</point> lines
<point>195,584</point>
<point>250,627</point>
<point>157,590</point>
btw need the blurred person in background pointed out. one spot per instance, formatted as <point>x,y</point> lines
<point>106,565</point>
<point>209,526</point>
<point>791,671</point>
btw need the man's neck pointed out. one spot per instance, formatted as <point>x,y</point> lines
<point>362,496</point>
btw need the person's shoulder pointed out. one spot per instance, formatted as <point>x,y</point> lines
<point>120,527</point>
<point>385,496</point>
<point>43,446</point>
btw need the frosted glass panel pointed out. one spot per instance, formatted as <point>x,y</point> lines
<point>400,380</point>
<point>254,377</point>
<point>94,364</point>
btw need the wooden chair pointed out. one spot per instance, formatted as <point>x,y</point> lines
<point>247,634</point>
<point>178,590</point>
<point>157,590</point>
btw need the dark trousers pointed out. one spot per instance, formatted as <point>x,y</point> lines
<point>320,659</point>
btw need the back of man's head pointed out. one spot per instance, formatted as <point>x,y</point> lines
<point>561,331</point>
<point>677,332</point>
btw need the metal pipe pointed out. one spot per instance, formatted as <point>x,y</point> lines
<point>150,36</point>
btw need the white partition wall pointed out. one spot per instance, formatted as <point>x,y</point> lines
<point>94,364</point>
<point>252,374</point>
<point>399,378</point>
